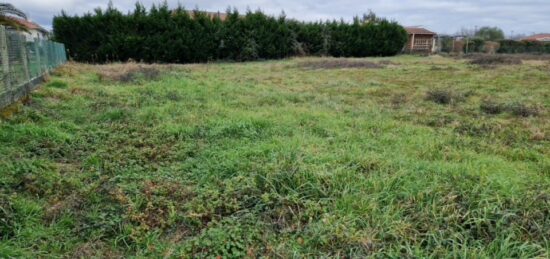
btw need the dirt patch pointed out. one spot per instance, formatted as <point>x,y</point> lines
<point>128,72</point>
<point>495,60</point>
<point>339,64</point>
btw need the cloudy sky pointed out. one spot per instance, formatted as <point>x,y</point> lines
<point>442,16</point>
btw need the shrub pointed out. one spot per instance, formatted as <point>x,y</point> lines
<point>492,60</point>
<point>474,45</point>
<point>57,84</point>
<point>444,96</point>
<point>491,107</point>
<point>522,110</point>
<point>512,47</point>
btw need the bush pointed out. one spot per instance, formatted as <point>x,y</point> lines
<point>474,45</point>
<point>523,110</point>
<point>512,47</point>
<point>444,96</point>
<point>516,108</point>
<point>57,84</point>
<point>491,60</point>
<point>491,107</point>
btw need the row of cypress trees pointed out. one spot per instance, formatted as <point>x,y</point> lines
<point>161,34</point>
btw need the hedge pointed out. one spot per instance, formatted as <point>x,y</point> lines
<point>180,36</point>
<point>511,46</point>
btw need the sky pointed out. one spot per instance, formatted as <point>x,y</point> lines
<point>442,16</point>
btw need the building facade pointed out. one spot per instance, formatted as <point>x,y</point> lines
<point>31,30</point>
<point>420,41</point>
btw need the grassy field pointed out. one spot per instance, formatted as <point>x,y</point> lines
<point>388,157</point>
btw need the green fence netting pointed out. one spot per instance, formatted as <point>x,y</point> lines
<point>24,60</point>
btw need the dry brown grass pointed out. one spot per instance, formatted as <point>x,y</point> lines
<point>70,69</point>
<point>495,60</point>
<point>130,72</point>
<point>339,63</point>
<point>10,110</point>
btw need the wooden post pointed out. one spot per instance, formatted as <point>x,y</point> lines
<point>5,58</point>
<point>37,53</point>
<point>453,49</point>
<point>22,42</point>
<point>412,43</point>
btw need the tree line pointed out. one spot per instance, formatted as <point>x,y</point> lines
<point>161,34</point>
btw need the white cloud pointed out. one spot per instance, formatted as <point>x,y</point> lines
<point>443,16</point>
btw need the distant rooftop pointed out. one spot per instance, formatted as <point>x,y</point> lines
<point>419,30</point>
<point>538,37</point>
<point>27,24</point>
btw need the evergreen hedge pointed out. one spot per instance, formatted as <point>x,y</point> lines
<point>179,36</point>
<point>511,46</point>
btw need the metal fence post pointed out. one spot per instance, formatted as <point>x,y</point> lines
<point>37,54</point>
<point>46,58</point>
<point>22,43</point>
<point>5,59</point>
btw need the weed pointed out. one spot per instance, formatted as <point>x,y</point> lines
<point>128,73</point>
<point>7,217</point>
<point>493,60</point>
<point>444,96</point>
<point>490,107</point>
<point>398,100</point>
<point>57,84</point>
<point>339,64</point>
<point>523,110</point>
<point>266,160</point>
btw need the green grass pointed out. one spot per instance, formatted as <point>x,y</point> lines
<point>272,159</point>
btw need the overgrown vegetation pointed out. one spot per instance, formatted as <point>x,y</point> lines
<point>512,47</point>
<point>267,159</point>
<point>181,36</point>
<point>340,64</point>
<point>494,60</point>
<point>444,96</point>
<point>130,72</point>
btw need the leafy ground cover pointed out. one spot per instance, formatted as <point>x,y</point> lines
<point>403,157</point>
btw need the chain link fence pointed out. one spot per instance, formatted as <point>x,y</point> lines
<point>25,60</point>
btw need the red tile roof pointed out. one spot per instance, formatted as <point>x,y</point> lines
<point>538,37</point>
<point>28,24</point>
<point>418,30</point>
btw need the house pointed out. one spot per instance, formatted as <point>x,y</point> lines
<point>33,30</point>
<point>545,37</point>
<point>420,41</point>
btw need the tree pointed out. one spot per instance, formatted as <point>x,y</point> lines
<point>7,11</point>
<point>490,33</point>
